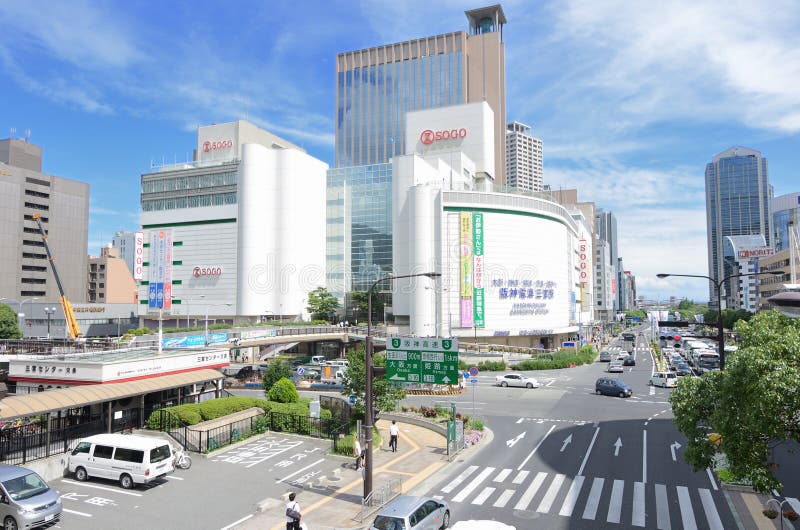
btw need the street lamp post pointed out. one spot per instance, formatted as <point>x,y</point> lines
<point>205,336</point>
<point>718,285</point>
<point>49,311</point>
<point>369,371</point>
<point>22,315</point>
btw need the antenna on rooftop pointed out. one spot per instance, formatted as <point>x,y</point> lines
<point>13,132</point>
<point>27,135</point>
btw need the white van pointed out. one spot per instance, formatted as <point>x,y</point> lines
<point>665,379</point>
<point>128,458</point>
<point>318,360</point>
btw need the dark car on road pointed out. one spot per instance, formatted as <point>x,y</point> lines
<point>629,361</point>
<point>682,369</point>
<point>609,386</point>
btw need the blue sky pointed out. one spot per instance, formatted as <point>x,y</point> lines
<point>631,98</point>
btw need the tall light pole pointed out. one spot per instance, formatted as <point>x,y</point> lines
<point>718,285</point>
<point>49,311</point>
<point>22,315</point>
<point>369,372</point>
<point>205,336</point>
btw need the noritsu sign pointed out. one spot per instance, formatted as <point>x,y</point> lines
<point>415,360</point>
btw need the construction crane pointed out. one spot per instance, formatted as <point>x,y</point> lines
<point>69,314</point>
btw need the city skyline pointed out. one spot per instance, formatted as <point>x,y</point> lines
<point>631,103</point>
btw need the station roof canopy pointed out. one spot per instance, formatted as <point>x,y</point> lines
<point>17,406</point>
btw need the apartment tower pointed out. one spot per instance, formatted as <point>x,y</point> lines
<point>524,159</point>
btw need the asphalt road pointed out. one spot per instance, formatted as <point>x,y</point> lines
<point>563,457</point>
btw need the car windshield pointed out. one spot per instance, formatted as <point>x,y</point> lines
<point>25,487</point>
<point>709,362</point>
<point>385,522</point>
<point>160,453</point>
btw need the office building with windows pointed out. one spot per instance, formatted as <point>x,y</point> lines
<point>738,202</point>
<point>63,205</point>
<point>786,219</point>
<point>109,279</point>
<point>125,243</point>
<point>376,87</point>
<point>236,234</point>
<point>524,159</point>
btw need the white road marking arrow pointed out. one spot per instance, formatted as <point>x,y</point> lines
<point>672,448</point>
<point>617,445</point>
<point>514,440</point>
<point>567,440</point>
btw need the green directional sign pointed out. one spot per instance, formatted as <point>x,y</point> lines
<point>422,360</point>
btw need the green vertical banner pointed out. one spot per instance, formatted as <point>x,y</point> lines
<point>477,270</point>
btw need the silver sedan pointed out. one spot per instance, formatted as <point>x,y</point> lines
<point>515,379</point>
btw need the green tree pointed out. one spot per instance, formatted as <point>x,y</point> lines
<point>8,323</point>
<point>276,369</point>
<point>321,304</point>
<point>283,391</point>
<point>753,405</point>
<point>685,304</point>
<point>361,301</point>
<point>385,393</point>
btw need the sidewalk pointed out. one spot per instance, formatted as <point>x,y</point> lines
<point>334,502</point>
<point>748,507</point>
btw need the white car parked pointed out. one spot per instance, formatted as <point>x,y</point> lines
<point>515,379</point>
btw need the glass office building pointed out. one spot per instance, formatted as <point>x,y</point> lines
<point>359,227</point>
<point>785,218</point>
<point>738,202</point>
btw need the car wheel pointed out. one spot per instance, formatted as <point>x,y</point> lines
<point>10,524</point>
<point>81,474</point>
<point>126,481</point>
<point>445,520</point>
<point>503,383</point>
<point>622,394</point>
<point>598,392</point>
<point>529,385</point>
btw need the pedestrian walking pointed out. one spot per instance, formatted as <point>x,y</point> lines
<point>293,515</point>
<point>358,453</point>
<point>394,430</point>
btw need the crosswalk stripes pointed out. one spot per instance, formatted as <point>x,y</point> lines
<point>569,490</point>
<point>469,488</point>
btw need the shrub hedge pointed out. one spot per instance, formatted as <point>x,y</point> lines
<point>559,359</point>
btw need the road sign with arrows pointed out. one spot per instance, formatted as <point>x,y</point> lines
<point>422,360</point>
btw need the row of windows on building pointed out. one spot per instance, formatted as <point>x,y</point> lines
<point>213,199</point>
<point>193,182</point>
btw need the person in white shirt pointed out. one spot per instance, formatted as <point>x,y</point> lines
<point>359,453</point>
<point>394,430</point>
<point>292,523</point>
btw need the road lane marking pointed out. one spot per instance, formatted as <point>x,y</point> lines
<point>502,475</point>
<point>662,508</point>
<point>588,451</point>
<point>535,448</point>
<point>615,504</point>
<point>243,519</point>
<point>685,503</point>
<point>550,495</point>
<point>711,478</point>
<point>481,498</point>
<point>520,476</point>
<point>73,512</point>
<point>527,497</point>
<point>301,470</point>
<point>794,503</point>
<point>504,498</point>
<point>638,504</point>
<point>469,488</point>
<point>520,420</point>
<point>459,479</point>
<point>714,522</point>
<point>113,490</point>
<point>644,456</point>
<point>572,496</point>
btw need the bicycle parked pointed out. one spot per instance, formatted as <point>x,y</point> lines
<point>181,459</point>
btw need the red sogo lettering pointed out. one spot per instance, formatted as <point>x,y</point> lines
<point>428,136</point>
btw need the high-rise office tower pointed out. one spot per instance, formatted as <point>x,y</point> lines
<point>605,229</point>
<point>524,160</point>
<point>738,202</point>
<point>125,243</point>
<point>63,205</point>
<point>376,87</point>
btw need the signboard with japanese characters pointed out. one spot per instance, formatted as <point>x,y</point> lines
<point>422,360</point>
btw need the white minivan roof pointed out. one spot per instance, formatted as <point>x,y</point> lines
<point>128,441</point>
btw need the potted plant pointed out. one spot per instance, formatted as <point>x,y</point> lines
<point>791,515</point>
<point>770,513</point>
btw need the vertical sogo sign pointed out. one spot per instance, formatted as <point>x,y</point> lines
<point>138,256</point>
<point>583,261</point>
<point>471,270</point>
<point>160,277</point>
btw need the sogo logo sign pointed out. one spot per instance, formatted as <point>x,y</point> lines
<point>213,146</point>
<point>428,136</point>
<point>197,272</point>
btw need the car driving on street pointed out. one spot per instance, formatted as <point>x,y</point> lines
<point>615,366</point>
<point>515,379</point>
<point>608,386</point>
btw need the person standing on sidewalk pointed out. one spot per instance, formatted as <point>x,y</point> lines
<point>394,430</point>
<point>359,454</point>
<point>293,507</point>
